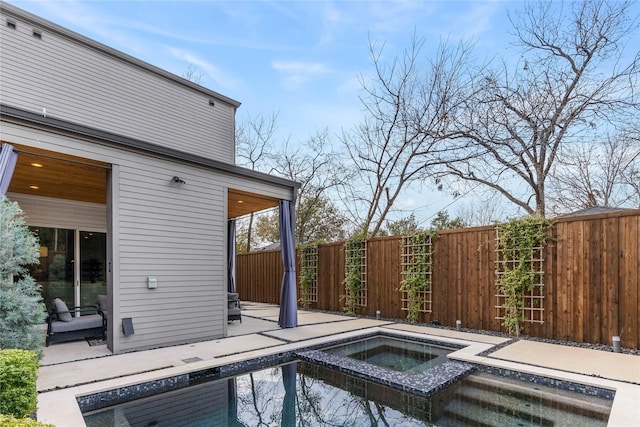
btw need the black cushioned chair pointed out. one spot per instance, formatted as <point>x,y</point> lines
<point>69,323</point>
<point>233,307</point>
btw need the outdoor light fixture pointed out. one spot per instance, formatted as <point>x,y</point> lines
<point>177,180</point>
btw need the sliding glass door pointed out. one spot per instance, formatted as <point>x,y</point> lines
<point>55,273</point>
<point>72,265</point>
<point>93,266</point>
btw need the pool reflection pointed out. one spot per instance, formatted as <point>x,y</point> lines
<point>306,394</point>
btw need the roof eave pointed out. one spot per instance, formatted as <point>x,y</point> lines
<point>34,119</point>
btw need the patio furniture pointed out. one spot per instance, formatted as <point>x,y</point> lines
<point>233,307</point>
<point>103,303</point>
<point>69,323</point>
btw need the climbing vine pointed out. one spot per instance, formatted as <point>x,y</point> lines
<point>416,272</point>
<point>355,273</point>
<point>520,271</point>
<point>308,274</point>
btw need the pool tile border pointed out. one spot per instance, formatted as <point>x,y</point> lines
<point>425,384</point>
<point>116,396</point>
<point>566,385</point>
<point>103,399</point>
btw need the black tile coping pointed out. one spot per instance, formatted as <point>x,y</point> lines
<point>424,384</point>
<point>387,334</point>
<point>550,382</point>
<point>116,396</point>
<point>433,380</point>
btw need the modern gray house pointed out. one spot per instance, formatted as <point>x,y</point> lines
<point>127,174</point>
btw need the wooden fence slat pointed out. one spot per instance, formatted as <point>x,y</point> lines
<point>592,269</point>
<point>610,259</point>
<point>629,281</point>
<point>594,281</point>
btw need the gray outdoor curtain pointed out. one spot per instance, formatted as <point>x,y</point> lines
<point>231,256</point>
<point>290,390</point>
<point>8,159</point>
<point>288,299</point>
<point>232,407</point>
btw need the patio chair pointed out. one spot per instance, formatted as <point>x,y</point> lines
<point>233,307</point>
<point>69,323</point>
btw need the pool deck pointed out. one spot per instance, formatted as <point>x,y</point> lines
<point>75,368</point>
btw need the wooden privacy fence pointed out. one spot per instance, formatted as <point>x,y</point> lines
<point>590,292</point>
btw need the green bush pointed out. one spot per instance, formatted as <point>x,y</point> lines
<point>18,371</point>
<point>21,307</point>
<point>9,421</point>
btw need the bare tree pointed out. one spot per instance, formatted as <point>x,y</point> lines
<point>313,164</point>
<point>317,168</point>
<point>484,210</point>
<point>192,73</point>
<point>632,177</point>
<point>406,131</point>
<point>317,220</point>
<point>404,226</point>
<point>253,137</point>
<point>604,174</point>
<point>571,84</point>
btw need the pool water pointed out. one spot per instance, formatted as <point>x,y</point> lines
<point>492,400</point>
<point>409,357</point>
<point>300,393</point>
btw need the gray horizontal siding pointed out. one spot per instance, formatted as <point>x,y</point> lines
<point>187,225</point>
<point>85,86</point>
<point>174,233</point>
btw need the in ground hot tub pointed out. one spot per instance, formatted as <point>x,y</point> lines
<point>409,357</point>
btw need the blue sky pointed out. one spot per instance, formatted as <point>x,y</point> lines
<point>300,59</point>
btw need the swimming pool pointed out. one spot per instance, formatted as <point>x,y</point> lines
<point>328,388</point>
<point>302,393</point>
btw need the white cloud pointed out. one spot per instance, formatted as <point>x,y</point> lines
<point>300,67</point>
<point>297,72</point>
<point>332,22</point>
<point>217,76</point>
<point>406,203</point>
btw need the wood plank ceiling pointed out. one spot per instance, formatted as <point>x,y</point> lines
<point>51,174</point>
<point>44,173</point>
<point>242,203</point>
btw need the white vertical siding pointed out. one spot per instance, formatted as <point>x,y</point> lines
<point>84,85</point>
<point>57,213</point>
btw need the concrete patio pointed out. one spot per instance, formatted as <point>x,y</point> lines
<point>75,368</point>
